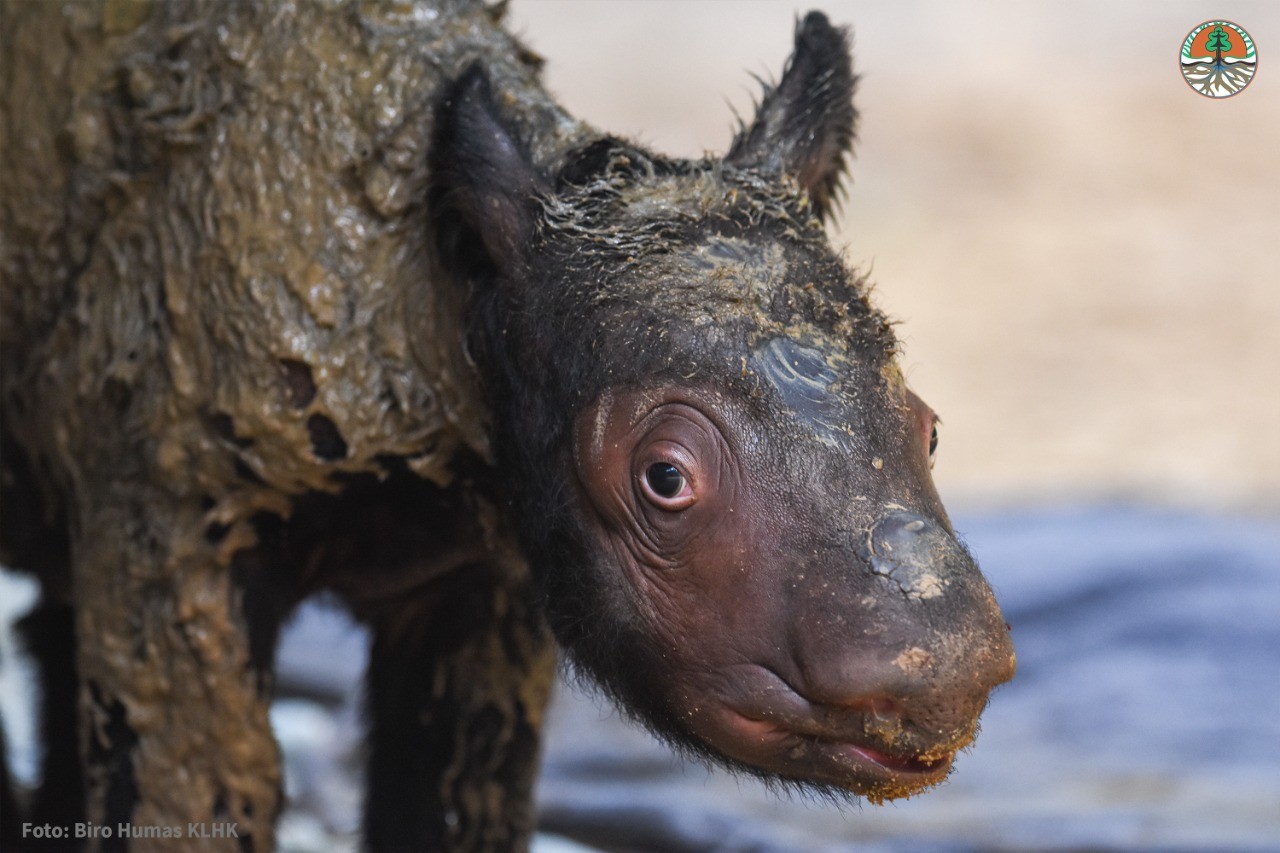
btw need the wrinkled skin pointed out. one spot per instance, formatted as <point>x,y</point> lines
<point>732,518</point>
<point>787,676</point>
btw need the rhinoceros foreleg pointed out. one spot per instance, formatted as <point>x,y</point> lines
<point>174,728</point>
<point>457,682</point>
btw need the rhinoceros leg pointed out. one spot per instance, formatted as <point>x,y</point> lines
<point>173,708</point>
<point>457,683</point>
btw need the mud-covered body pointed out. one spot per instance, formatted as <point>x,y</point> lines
<point>220,207</point>
<point>334,296</point>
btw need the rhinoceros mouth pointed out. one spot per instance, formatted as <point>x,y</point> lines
<point>873,747</point>
<point>813,752</point>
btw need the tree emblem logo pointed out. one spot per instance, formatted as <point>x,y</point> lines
<point>1218,59</point>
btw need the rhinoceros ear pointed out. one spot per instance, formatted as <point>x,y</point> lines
<point>804,126</point>
<point>484,186</point>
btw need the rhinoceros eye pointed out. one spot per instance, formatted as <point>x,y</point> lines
<point>933,444</point>
<point>665,480</point>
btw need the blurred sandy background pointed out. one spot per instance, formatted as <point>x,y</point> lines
<point>1084,253</point>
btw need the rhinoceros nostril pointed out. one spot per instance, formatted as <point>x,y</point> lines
<point>902,527</point>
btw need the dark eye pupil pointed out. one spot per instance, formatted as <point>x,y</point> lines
<point>933,441</point>
<point>665,479</point>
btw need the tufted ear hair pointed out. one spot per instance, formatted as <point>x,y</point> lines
<point>804,126</point>
<point>484,185</point>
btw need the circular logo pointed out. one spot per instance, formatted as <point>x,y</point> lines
<point>1218,59</point>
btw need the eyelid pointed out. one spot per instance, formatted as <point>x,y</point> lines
<point>705,421</point>
<point>667,450</point>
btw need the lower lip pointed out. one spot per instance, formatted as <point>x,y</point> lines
<point>895,764</point>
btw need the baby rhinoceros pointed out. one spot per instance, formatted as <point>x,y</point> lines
<point>723,481</point>
<point>334,297</point>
